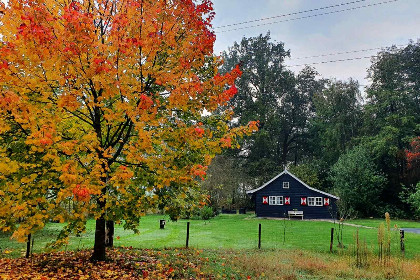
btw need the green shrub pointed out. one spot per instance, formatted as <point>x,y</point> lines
<point>206,213</point>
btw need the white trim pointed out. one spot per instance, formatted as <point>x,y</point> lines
<point>286,183</point>
<point>296,178</point>
<point>275,200</point>
<point>315,198</point>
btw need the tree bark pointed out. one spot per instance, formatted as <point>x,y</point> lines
<point>109,234</point>
<point>28,246</point>
<point>99,247</point>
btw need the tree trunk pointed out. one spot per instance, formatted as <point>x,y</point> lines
<point>99,247</point>
<point>109,234</point>
<point>28,246</point>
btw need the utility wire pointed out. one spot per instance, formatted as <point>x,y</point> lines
<point>331,61</point>
<point>310,16</point>
<point>290,14</point>
<point>339,53</point>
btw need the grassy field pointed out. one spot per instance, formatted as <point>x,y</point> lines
<point>226,232</point>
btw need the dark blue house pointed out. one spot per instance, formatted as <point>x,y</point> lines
<point>287,196</point>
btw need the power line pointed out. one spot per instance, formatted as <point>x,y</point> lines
<point>346,52</point>
<point>290,14</point>
<point>331,61</point>
<point>310,16</point>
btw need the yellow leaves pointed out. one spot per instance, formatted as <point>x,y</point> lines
<point>4,127</point>
<point>8,166</point>
<point>68,101</point>
<point>69,179</point>
<point>68,147</point>
<point>28,179</point>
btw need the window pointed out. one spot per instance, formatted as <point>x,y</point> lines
<point>275,200</point>
<point>285,185</point>
<point>318,201</point>
<point>314,201</point>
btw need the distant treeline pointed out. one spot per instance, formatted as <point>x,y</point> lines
<point>363,147</point>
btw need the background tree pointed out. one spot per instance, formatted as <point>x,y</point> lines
<point>226,183</point>
<point>337,119</point>
<point>111,94</point>
<point>358,182</point>
<point>278,99</point>
<point>308,172</point>
<point>392,116</point>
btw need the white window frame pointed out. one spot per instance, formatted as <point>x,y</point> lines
<point>275,200</point>
<point>315,201</point>
<point>286,184</point>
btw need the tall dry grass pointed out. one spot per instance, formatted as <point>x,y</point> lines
<point>296,264</point>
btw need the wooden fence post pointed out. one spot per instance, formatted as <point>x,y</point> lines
<point>332,240</point>
<point>188,234</point>
<point>259,236</point>
<point>402,241</point>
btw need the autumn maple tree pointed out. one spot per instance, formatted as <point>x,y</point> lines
<point>107,109</point>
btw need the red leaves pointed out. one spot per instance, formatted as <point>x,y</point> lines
<point>145,102</point>
<point>101,65</point>
<point>199,131</point>
<point>226,142</point>
<point>199,171</point>
<point>81,193</point>
<point>33,29</point>
<point>229,79</point>
<point>8,100</point>
<point>21,28</point>
<point>413,155</point>
<point>47,140</point>
<point>4,64</point>
<point>71,48</point>
<point>134,41</point>
<point>72,11</point>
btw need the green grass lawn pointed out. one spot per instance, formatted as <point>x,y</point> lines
<point>224,231</point>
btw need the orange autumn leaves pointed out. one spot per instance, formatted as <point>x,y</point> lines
<point>81,193</point>
<point>109,103</point>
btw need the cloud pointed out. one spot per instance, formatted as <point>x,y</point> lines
<point>382,25</point>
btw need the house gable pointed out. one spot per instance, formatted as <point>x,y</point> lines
<point>286,172</point>
<point>270,199</point>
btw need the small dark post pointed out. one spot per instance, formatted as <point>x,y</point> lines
<point>28,247</point>
<point>332,240</point>
<point>259,236</point>
<point>162,224</point>
<point>188,234</point>
<point>402,241</point>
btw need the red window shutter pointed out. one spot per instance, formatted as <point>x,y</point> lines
<point>326,201</point>
<point>303,201</point>
<point>286,200</point>
<point>265,199</point>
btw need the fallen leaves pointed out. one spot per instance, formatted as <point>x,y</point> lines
<point>122,263</point>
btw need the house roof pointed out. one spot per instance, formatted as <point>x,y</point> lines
<point>297,179</point>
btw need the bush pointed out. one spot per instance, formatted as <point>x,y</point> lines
<point>206,213</point>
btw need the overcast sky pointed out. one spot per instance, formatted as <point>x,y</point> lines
<point>392,23</point>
